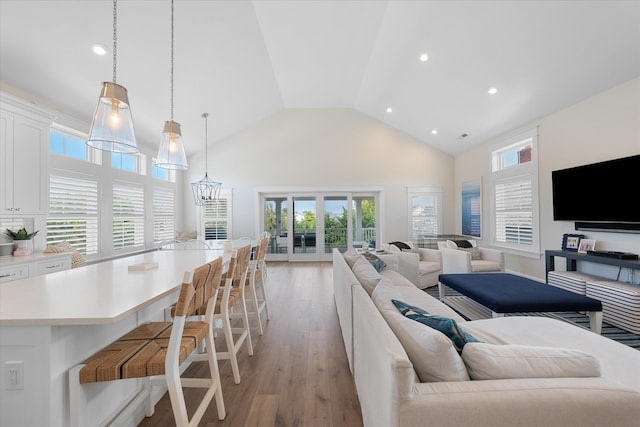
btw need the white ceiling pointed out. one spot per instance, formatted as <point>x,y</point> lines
<point>242,61</point>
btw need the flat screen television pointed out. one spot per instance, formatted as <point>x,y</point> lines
<point>607,191</point>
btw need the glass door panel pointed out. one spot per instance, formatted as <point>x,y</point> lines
<point>275,222</point>
<point>336,210</point>
<point>363,211</point>
<point>304,225</point>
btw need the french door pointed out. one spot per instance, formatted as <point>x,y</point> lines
<point>307,226</point>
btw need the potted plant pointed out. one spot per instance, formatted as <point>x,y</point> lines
<point>22,241</point>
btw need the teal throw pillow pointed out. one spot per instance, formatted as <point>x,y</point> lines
<point>444,324</point>
<point>377,263</point>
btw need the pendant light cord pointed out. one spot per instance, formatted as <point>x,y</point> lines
<point>171,60</point>
<point>205,116</point>
<point>115,38</point>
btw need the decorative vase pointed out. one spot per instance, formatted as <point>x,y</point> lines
<point>23,247</point>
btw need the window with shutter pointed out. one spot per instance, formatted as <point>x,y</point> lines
<point>163,215</point>
<point>514,196</point>
<point>73,212</point>
<point>128,216</point>
<point>215,218</point>
<point>424,213</point>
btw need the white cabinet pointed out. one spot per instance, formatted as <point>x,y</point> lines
<point>23,165</point>
<point>14,268</point>
<point>15,272</point>
<point>50,266</point>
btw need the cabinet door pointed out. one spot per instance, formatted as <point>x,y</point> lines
<point>25,162</point>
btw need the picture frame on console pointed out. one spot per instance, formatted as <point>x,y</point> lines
<point>586,245</point>
<point>571,242</point>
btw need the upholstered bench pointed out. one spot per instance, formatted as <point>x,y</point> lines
<point>621,302</point>
<point>508,293</point>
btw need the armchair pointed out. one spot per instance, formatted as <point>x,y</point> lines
<point>456,259</point>
<point>429,263</point>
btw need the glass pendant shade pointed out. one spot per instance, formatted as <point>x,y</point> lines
<point>171,151</point>
<point>205,191</point>
<point>112,126</point>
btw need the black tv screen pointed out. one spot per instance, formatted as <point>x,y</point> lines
<point>606,191</point>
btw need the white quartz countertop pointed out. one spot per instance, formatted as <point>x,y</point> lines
<point>100,293</point>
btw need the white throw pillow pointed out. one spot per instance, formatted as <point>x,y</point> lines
<point>432,354</point>
<point>366,274</point>
<point>493,361</point>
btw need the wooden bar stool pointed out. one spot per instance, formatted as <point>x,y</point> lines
<point>158,351</point>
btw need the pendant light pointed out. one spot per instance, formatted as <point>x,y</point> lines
<point>171,151</point>
<point>206,190</point>
<point>112,126</point>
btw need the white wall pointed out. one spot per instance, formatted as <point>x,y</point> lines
<point>322,148</point>
<point>603,127</point>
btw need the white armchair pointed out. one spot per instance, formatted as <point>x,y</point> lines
<point>470,260</point>
<point>429,263</point>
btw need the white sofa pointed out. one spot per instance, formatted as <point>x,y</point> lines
<point>429,263</point>
<point>475,260</point>
<point>378,342</point>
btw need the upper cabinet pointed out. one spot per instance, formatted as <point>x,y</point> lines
<point>24,141</point>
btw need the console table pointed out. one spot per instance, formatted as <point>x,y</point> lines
<point>573,257</point>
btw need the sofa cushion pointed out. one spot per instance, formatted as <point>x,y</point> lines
<point>426,267</point>
<point>475,253</point>
<point>491,362</point>
<point>446,325</point>
<point>433,356</point>
<point>350,256</point>
<point>366,274</point>
<point>484,266</point>
<point>375,261</point>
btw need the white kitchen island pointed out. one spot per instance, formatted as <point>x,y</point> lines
<point>50,323</point>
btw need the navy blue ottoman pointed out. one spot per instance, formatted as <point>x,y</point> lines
<point>508,293</point>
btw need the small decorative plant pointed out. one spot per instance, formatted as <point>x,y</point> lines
<point>21,234</point>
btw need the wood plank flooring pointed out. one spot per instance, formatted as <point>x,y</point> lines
<point>299,374</point>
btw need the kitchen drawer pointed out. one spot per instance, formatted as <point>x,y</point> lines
<point>14,273</point>
<point>49,266</point>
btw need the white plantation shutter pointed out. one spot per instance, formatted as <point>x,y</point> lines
<point>424,212</point>
<point>215,218</point>
<point>128,216</point>
<point>73,213</point>
<point>163,215</point>
<point>514,211</point>
<point>514,195</point>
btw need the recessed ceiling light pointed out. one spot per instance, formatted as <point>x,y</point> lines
<point>435,131</point>
<point>493,90</point>
<point>389,110</point>
<point>98,49</point>
<point>424,57</point>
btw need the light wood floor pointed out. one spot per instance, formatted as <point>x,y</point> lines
<point>298,375</point>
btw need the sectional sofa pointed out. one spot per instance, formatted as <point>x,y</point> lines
<point>522,371</point>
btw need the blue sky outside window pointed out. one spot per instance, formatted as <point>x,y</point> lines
<point>67,146</point>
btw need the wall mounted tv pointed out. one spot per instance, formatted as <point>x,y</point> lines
<point>606,193</point>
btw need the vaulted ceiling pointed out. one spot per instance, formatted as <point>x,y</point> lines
<point>242,61</point>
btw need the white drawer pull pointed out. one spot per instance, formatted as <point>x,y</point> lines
<point>54,266</point>
<point>7,275</point>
